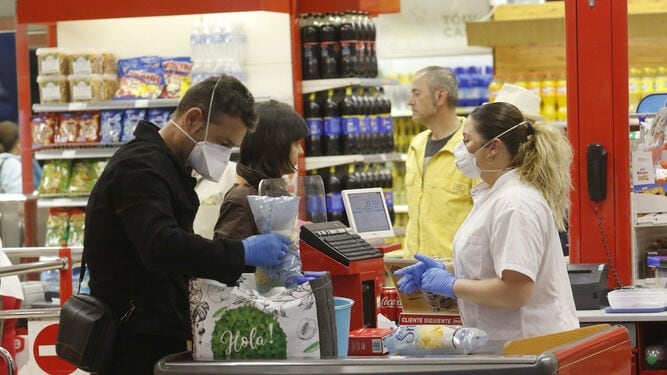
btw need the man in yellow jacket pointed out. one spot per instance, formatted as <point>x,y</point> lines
<point>438,194</point>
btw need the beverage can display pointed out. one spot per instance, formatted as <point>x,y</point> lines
<point>388,303</point>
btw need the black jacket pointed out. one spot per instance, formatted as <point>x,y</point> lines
<point>139,242</point>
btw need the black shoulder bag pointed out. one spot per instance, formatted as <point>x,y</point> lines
<point>88,330</point>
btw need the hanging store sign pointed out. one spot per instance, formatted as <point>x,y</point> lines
<point>429,28</point>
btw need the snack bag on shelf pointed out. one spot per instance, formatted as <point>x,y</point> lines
<point>96,169</point>
<point>77,221</point>
<point>89,127</point>
<point>52,61</point>
<point>85,87</point>
<point>57,227</point>
<point>82,177</point>
<point>111,126</point>
<point>131,118</point>
<point>53,89</point>
<point>67,128</point>
<point>177,76</point>
<point>158,116</point>
<point>55,177</point>
<point>139,78</point>
<point>43,128</point>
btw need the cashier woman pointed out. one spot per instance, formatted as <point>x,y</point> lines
<point>509,273</point>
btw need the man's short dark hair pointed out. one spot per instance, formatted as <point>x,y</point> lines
<point>231,97</point>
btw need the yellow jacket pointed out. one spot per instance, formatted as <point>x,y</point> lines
<point>438,200</point>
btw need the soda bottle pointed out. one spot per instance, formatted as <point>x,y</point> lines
<point>366,135</point>
<point>329,48</point>
<point>385,122</point>
<point>334,199</point>
<point>310,47</point>
<point>350,128</point>
<point>561,98</point>
<point>332,125</point>
<point>548,90</point>
<point>494,87</point>
<point>348,46</point>
<point>315,123</point>
<point>370,47</point>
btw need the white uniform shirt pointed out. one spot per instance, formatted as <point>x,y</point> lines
<point>10,286</point>
<point>511,227</point>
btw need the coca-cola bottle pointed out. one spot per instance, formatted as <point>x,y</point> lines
<point>315,123</point>
<point>350,128</point>
<point>310,47</point>
<point>364,121</point>
<point>348,46</point>
<point>334,199</point>
<point>332,125</point>
<point>372,62</point>
<point>387,121</point>
<point>329,47</point>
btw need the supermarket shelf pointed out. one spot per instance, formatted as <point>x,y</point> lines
<point>401,208</point>
<point>316,85</point>
<point>63,202</point>
<point>371,6</point>
<point>317,162</point>
<point>106,105</point>
<point>521,24</point>
<point>46,11</point>
<point>76,153</point>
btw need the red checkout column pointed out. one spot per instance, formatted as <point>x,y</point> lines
<point>597,101</point>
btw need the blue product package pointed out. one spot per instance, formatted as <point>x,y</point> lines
<point>158,116</point>
<point>131,118</point>
<point>111,126</point>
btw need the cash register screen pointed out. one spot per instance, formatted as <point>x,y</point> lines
<point>367,213</point>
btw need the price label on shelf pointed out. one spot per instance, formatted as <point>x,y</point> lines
<point>142,103</point>
<point>77,106</point>
<point>69,154</point>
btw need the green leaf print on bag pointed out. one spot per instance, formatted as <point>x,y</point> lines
<point>246,332</point>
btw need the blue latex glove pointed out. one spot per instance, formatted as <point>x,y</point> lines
<point>412,275</point>
<point>309,276</point>
<point>265,249</point>
<point>438,281</point>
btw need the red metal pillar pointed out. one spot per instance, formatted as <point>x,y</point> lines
<point>597,103</point>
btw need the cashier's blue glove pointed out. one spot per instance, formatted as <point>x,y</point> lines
<point>438,281</point>
<point>265,249</point>
<point>412,275</point>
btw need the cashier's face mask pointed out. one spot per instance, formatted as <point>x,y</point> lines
<point>467,163</point>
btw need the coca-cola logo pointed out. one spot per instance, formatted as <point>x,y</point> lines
<point>388,302</point>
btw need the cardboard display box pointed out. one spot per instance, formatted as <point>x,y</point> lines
<point>420,307</point>
<point>368,341</point>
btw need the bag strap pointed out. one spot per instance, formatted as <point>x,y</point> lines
<point>133,305</point>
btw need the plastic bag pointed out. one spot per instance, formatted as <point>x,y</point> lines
<point>432,339</point>
<point>278,215</point>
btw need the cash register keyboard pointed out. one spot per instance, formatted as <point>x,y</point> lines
<point>338,242</point>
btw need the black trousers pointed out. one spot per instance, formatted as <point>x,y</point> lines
<point>137,354</point>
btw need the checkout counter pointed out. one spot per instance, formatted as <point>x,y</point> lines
<point>600,349</point>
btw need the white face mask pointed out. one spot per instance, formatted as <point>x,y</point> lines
<point>207,158</point>
<point>467,163</point>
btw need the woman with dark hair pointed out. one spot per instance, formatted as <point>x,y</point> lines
<point>509,273</point>
<point>270,151</point>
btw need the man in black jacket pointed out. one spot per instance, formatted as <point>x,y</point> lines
<point>139,243</point>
